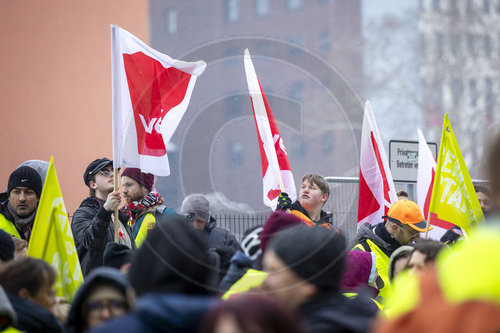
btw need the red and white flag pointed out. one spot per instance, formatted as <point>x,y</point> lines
<point>425,181</point>
<point>376,188</point>
<point>151,93</point>
<point>276,171</point>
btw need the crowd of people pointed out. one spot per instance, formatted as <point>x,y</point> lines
<point>176,271</point>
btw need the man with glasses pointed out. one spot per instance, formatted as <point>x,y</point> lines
<point>401,226</point>
<point>93,225</point>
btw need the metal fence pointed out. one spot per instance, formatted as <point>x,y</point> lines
<point>342,204</point>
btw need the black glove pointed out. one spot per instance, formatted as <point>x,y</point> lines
<point>284,202</point>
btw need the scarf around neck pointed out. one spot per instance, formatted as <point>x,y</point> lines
<point>145,205</point>
<point>23,224</point>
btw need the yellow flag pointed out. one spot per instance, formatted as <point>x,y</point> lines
<point>453,196</point>
<point>52,239</point>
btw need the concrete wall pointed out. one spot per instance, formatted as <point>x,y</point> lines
<point>55,87</point>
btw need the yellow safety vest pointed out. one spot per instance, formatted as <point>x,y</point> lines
<point>8,227</point>
<point>382,263</point>
<point>252,278</point>
<point>142,227</point>
<point>353,295</point>
<point>465,272</point>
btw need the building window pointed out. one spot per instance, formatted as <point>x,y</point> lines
<point>486,6</point>
<point>261,7</point>
<point>473,93</point>
<point>293,4</point>
<point>232,10</point>
<point>328,142</point>
<point>235,154</point>
<point>488,91</point>
<point>324,41</point>
<point>171,22</point>
<point>456,91</point>
<point>439,44</point>
<point>469,6</point>
<point>436,5</point>
<point>453,7</point>
<point>454,44</point>
<point>487,46</point>
<point>296,90</point>
<point>471,48</point>
<point>298,147</point>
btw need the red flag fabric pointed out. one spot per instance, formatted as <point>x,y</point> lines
<point>376,188</point>
<point>425,181</point>
<point>151,93</point>
<point>276,172</point>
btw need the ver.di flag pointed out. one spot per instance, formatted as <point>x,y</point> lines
<point>376,188</point>
<point>276,172</point>
<point>52,239</point>
<point>151,93</point>
<point>425,181</point>
<point>454,199</point>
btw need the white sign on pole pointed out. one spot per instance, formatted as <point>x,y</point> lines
<point>403,159</point>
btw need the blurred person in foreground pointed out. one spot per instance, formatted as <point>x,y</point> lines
<point>460,291</point>
<point>250,314</point>
<point>29,284</point>
<point>304,267</point>
<point>105,294</point>
<point>398,261</point>
<point>172,274</point>
<point>424,253</point>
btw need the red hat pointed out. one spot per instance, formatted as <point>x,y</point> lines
<point>145,179</point>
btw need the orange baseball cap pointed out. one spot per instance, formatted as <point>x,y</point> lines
<point>407,212</point>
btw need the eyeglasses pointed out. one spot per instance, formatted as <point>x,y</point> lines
<point>414,233</point>
<point>113,306</point>
<point>105,172</point>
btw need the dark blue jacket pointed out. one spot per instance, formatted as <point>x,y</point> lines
<point>335,313</point>
<point>170,313</point>
<point>32,317</point>
<point>240,264</point>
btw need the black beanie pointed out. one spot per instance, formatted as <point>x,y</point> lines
<point>315,254</point>
<point>7,246</point>
<point>26,177</point>
<point>116,255</point>
<point>173,258</point>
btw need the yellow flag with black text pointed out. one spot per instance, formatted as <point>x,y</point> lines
<point>453,196</point>
<point>52,239</point>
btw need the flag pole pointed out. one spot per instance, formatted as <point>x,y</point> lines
<point>117,220</point>
<point>428,223</point>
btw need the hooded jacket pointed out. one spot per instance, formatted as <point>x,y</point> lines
<point>334,313</point>
<point>169,313</point>
<point>32,317</point>
<point>92,230</point>
<point>112,276</point>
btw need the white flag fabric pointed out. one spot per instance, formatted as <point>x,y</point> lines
<point>273,155</point>
<point>376,187</point>
<point>425,180</point>
<point>151,93</point>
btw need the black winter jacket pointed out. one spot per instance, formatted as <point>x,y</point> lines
<point>218,237</point>
<point>92,230</point>
<point>335,313</point>
<point>32,318</point>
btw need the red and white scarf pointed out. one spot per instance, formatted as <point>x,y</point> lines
<point>145,205</point>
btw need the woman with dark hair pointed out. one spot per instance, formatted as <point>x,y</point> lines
<point>250,314</point>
